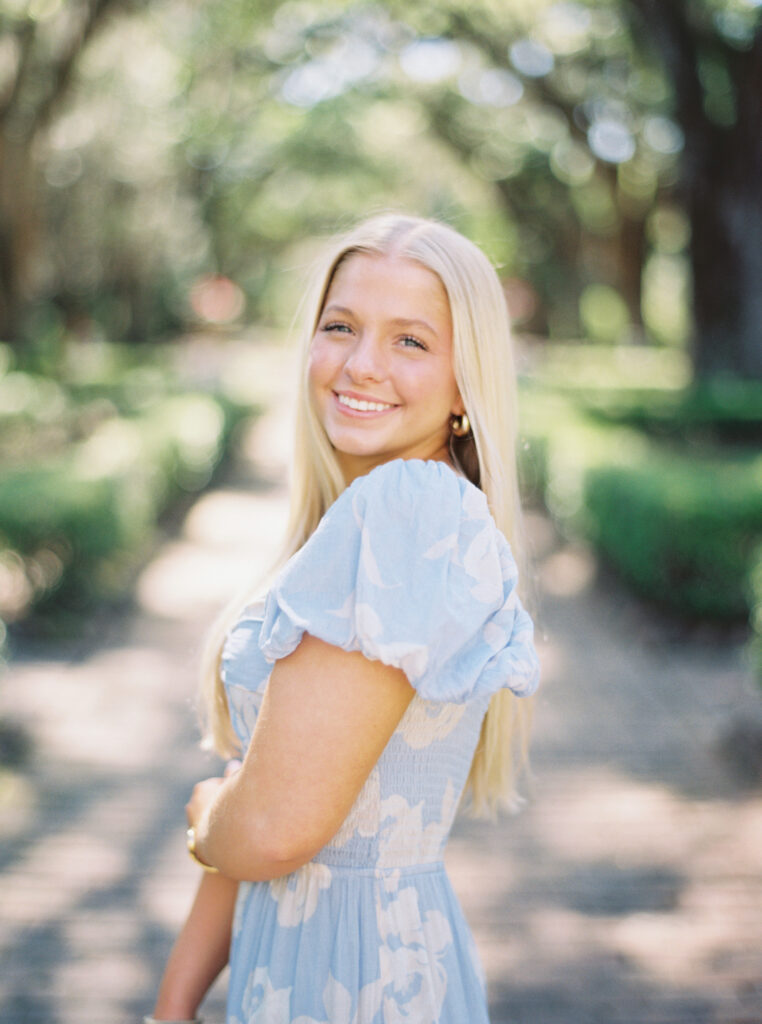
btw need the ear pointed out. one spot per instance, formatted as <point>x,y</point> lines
<point>458,406</point>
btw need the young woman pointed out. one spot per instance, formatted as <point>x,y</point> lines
<point>377,679</point>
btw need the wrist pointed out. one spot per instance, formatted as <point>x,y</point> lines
<point>173,1011</point>
<point>150,1019</point>
<point>191,840</point>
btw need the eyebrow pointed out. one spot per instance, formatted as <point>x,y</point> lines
<point>399,321</point>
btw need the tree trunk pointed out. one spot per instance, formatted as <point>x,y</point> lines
<point>724,198</point>
<point>19,229</point>
<point>722,172</point>
<point>726,259</point>
<point>41,81</point>
<point>630,257</point>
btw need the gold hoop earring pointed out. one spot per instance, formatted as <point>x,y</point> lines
<point>461,425</point>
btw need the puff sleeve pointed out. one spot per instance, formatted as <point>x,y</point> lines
<point>408,567</point>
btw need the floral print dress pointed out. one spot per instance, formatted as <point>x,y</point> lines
<point>408,567</point>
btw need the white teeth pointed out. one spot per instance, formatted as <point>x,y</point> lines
<point>361,405</point>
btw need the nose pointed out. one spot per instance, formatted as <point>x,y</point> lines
<point>365,360</point>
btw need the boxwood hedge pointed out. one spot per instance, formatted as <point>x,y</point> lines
<point>683,527</point>
<point>73,527</point>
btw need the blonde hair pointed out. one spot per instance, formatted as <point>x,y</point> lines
<point>485,375</point>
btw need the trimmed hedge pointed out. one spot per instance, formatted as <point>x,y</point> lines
<point>74,528</point>
<point>680,532</point>
<point>721,411</point>
<point>754,580</point>
<point>681,528</point>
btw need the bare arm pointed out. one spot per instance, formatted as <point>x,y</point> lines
<point>200,952</point>
<point>325,719</point>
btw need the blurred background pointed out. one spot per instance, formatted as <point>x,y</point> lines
<point>165,169</point>
<point>168,169</point>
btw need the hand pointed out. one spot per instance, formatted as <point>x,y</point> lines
<point>205,792</point>
<point>203,796</point>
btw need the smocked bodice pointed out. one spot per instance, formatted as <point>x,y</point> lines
<point>406,808</point>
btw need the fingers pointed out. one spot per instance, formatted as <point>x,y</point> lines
<point>204,793</point>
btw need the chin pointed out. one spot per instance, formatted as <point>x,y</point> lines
<point>362,452</point>
<point>356,445</point>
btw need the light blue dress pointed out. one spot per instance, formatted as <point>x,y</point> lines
<point>408,567</point>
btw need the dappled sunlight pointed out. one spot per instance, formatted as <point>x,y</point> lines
<point>119,974</point>
<point>606,814</point>
<point>236,519</point>
<point>19,804</point>
<point>474,868</point>
<point>675,947</point>
<point>186,580</point>
<point>709,849</point>
<point>99,711</point>
<point>230,537</point>
<point>561,932</point>
<point>229,540</point>
<point>60,869</point>
<point>164,893</point>
<point>604,878</point>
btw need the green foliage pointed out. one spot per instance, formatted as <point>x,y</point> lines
<point>80,500</point>
<point>561,447</point>
<point>579,369</point>
<point>603,314</point>
<point>189,139</point>
<point>680,525</point>
<point>193,139</point>
<point>755,603</point>
<point>727,411</point>
<point>680,531</point>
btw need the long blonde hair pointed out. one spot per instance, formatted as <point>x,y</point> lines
<point>486,377</point>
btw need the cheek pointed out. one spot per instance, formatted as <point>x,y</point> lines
<point>321,367</point>
<point>437,390</point>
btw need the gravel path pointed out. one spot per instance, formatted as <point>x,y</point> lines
<point>627,891</point>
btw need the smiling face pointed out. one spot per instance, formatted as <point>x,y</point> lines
<point>381,364</point>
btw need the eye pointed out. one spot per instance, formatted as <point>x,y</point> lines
<point>408,341</point>
<point>335,326</point>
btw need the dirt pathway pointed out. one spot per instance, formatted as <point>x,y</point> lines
<point>628,891</point>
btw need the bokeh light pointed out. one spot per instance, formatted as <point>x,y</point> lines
<point>216,299</point>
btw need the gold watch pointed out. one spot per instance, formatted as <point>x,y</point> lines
<point>190,842</point>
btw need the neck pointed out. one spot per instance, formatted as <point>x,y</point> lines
<point>354,466</point>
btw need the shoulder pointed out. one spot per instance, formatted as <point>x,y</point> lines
<point>409,568</point>
<point>406,488</point>
<point>422,520</point>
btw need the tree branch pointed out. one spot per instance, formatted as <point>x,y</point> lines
<point>25,35</point>
<point>63,69</point>
<point>492,41</point>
